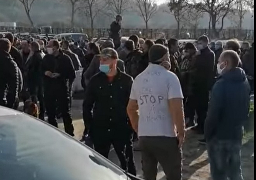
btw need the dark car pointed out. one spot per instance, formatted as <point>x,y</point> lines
<point>33,150</point>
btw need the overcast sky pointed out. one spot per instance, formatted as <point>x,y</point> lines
<point>160,1</point>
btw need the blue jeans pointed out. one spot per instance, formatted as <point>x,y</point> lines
<point>225,159</point>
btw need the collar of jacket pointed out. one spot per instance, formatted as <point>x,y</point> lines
<point>117,76</point>
<point>60,54</point>
<point>5,54</point>
<point>207,49</point>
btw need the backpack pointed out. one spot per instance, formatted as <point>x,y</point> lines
<point>132,63</point>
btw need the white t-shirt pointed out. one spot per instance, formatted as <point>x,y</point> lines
<point>152,89</point>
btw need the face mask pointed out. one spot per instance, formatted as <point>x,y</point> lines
<point>219,70</point>
<point>49,50</point>
<point>217,47</point>
<point>200,47</point>
<point>104,68</point>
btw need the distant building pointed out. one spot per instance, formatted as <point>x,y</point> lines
<point>8,26</point>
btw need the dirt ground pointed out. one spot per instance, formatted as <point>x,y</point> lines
<point>196,166</point>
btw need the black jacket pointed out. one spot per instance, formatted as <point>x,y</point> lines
<point>75,60</point>
<point>61,64</point>
<point>33,72</point>
<point>202,76</point>
<point>9,80</point>
<point>14,52</point>
<point>217,56</point>
<point>229,107</point>
<point>79,52</point>
<point>115,30</point>
<point>185,74</point>
<point>248,63</point>
<point>108,100</point>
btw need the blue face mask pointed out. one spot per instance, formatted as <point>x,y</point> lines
<point>104,68</point>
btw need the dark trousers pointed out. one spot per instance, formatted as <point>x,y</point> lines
<point>39,96</point>
<point>162,150</point>
<point>61,99</point>
<point>202,100</point>
<point>122,147</point>
<point>198,104</point>
<point>225,160</point>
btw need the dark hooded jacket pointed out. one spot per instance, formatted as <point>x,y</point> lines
<point>229,107</point>
<point>9,80</point>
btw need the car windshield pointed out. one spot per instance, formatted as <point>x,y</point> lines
<point>32,150</point>
<point>76,37</point>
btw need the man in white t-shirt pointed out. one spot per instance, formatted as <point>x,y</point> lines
<point>156,113</point>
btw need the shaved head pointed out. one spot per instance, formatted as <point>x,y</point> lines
<point>230,58</point>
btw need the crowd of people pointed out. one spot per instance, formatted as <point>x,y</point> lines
<point>138,90</point>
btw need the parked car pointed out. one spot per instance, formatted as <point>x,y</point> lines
<point>33,150</point>
<point>75,36</point>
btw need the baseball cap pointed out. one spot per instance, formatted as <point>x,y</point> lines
<point>109,53</point>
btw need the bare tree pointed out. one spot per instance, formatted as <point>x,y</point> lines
<point>118,6</point>
<point>218,11</point>
<point>91,9</point>
<point>178,8</point>
<point>193,17</point>
<point>146,9</point>
<point>27,4</point>
<point>74,8</point>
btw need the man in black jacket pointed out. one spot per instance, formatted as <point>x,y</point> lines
<point>202,78</point>
<point>58,71</point>
<point>9,81</point>
<point>115,31</point>
<point>73,56</point>
<point>33,75</point>
<point>107,95</point>
<point>227,114</point>
<point>14,52</point>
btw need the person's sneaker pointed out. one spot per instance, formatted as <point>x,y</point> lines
<point>202,141</point>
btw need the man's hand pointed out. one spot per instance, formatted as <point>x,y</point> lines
<point>55,75</point>
<point>48,73</point>
<point>177,114</point>
<point>181,139</point>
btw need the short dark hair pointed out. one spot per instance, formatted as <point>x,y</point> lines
<point>172,42</point>
<point>45,41</point>
<point>119,16</point>
<point>160,41</point>
<point>66,43</point>
<point>5,44</point>
<point>190,46</point>
<point>232,57</point>
<point>234,45</point>
<point>35,46</point>
<point>129,45</point>
<point>149,43</point>
<point>107,44</point>
<point>94,47</point>
<point>204,38</point>
<point>135,39</point>
<point>10,37</point>
<point>156,52</point>
<point>56,44</point>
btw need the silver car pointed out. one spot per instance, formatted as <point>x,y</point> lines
<point>33,150</point>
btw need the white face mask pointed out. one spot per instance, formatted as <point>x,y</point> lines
<point>41,47</point>
<point>217,47</point>
<point>200,47</point>
<point>219,70</point>
<point>49,50</point>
